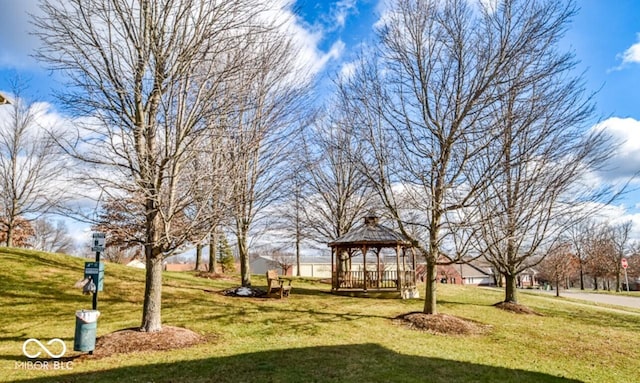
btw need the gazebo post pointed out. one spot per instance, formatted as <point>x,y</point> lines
<point>378,273</point>
<point>364,260</point>
<point>415,276</point>
<point>398,275</point>
<point>350,264</point>
<point>334,271</point>
<point>404,264</point>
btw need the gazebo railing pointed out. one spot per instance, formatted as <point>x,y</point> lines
<point>355,279</point>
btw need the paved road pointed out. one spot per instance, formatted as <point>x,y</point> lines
<point>620,300</point>
<point>611,299</point>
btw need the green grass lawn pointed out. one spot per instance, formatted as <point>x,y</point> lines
<point>312,336</point>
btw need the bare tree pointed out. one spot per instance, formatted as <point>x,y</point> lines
<point>599,252</point>
<point>338,192</point>
<point>621,241</point>
<point>218,183</point>
<point>559,266</point>
<point>290,213</point>
<point>423,102</point>
<point>209,171</point>
<point>326,193</point>
<point>541,148</point>
<point>30,166</point>
<point>260,130</point>
<point>457,105</point>
<point>52,237</point>
<point>148,74</point>
<point>578,235</point>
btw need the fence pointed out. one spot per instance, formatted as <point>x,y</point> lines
<point>387,279</point>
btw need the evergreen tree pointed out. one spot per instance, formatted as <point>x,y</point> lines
<point>225,256</point>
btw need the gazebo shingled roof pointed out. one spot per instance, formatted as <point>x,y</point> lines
<point>372,234</point>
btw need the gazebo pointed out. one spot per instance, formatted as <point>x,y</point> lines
<point>353,270</point>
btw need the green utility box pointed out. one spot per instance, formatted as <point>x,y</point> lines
<point>85,335</point>
<point>95,270</point>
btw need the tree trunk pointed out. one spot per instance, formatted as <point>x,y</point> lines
<point>198,256</point>
<point>510,289</point>
<point>618,280</point>
<point>557,287</point>
<point>10,230</point>
<point>430,300</point>
<point>213,245</point>
<point>243,251</point>
<point>151,311</point>
<point>298,253</point>
<point>581,276</point>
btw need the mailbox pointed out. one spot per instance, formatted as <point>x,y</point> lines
<point>95,270</point>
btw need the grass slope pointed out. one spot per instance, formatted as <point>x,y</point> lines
<point>310,337</point>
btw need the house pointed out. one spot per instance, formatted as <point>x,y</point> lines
<point>475,273</point>
<point>316,267</point>
<point>528,278</point>
<point>138,264</point>
<point>262,263</point>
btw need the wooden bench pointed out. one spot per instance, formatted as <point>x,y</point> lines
<point>277,284</point>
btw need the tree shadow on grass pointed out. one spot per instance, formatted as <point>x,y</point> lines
<point>349,363</point>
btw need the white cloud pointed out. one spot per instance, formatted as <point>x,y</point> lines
<point>625,161</point>
<point>632,54</point>
<point>341,12</point>
<point>617,215</point>
<point>347,70</point>
<point>306,38</point>
<point>16,43</point>
<point>629,56</point>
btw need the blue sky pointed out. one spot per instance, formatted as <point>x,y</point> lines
<point>605,36</point>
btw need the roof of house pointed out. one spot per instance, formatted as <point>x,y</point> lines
<point>371,233</point>
<point>472,271</point>
<point>472,268</point>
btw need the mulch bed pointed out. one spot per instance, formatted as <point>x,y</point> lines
<point>244,292</point>
<point>441,324</point>
<point>133,340</point>
<point>515,308</point>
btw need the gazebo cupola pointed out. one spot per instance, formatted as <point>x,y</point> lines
<point>353,268</point>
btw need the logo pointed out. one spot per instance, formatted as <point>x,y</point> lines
<point>56,364</point>
<point>36,341</point>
